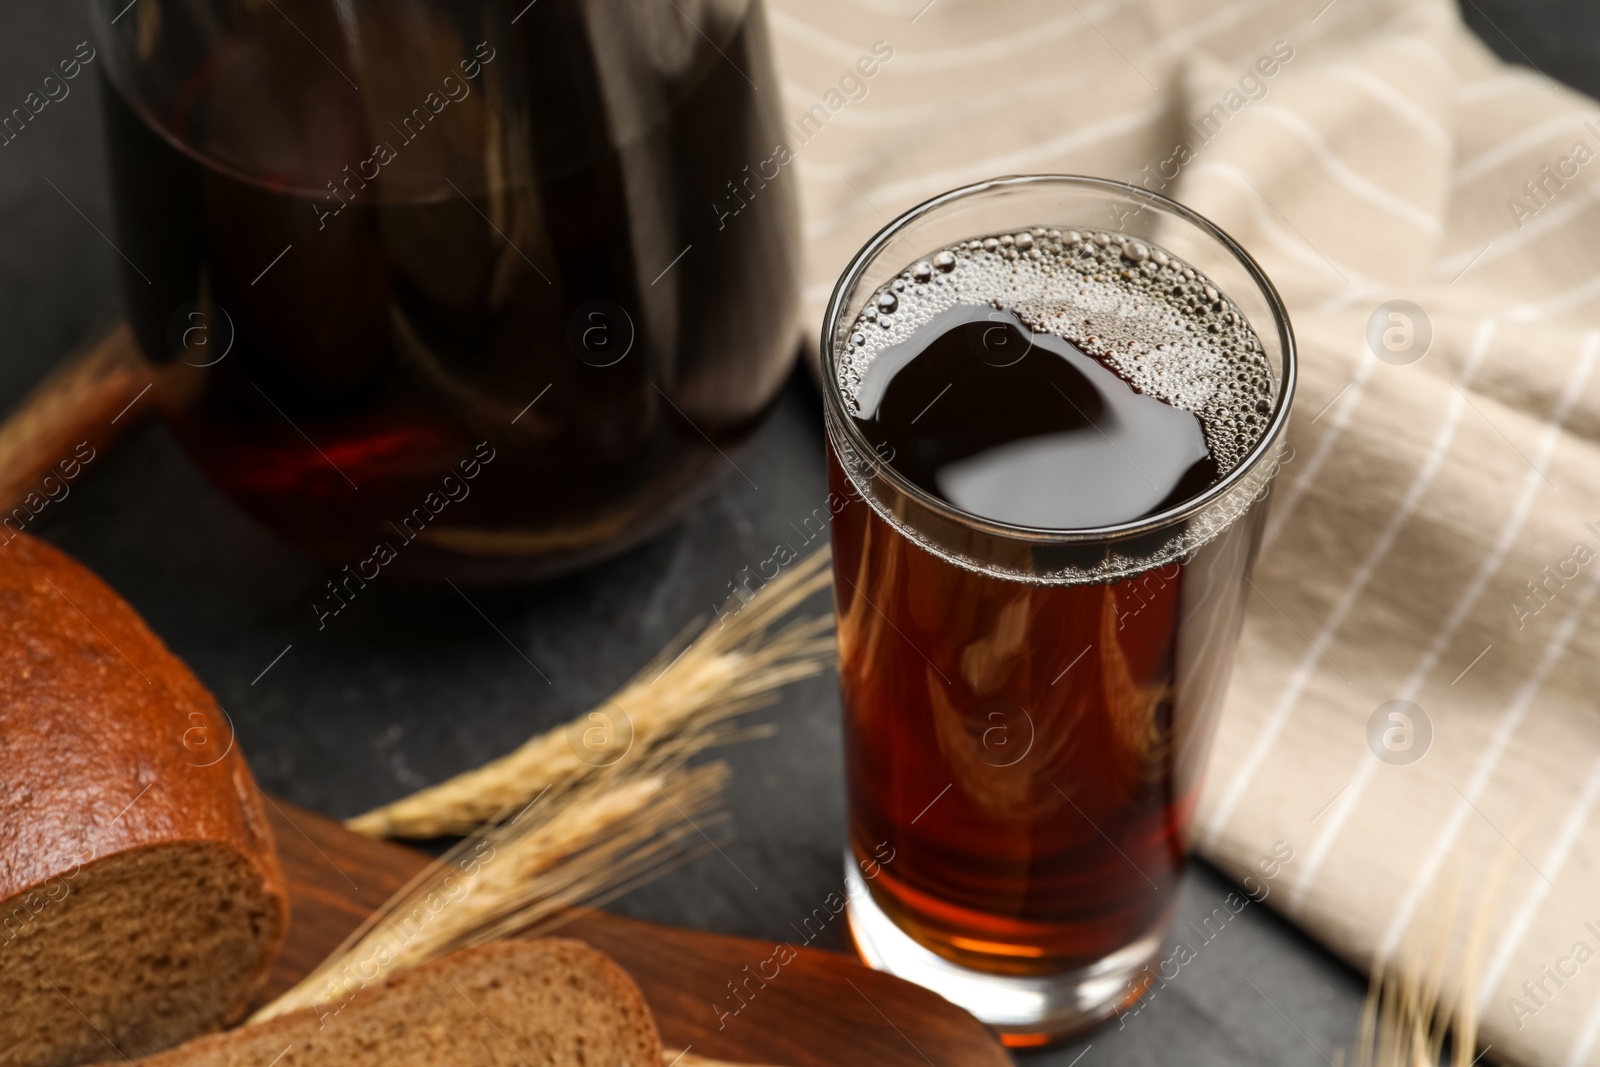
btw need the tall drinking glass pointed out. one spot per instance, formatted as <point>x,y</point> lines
<point>1029,702</point>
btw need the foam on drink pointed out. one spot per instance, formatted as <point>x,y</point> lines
<point>1163,385</point>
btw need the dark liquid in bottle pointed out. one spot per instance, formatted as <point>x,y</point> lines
<point>1032,750</point>
<point>524,249</point>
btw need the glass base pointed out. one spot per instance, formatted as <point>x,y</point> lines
<point>1024,1011</point>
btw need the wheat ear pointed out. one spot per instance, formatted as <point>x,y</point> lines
<point>1430,992</point>
<point>582,843</point>
<point>681,700</point>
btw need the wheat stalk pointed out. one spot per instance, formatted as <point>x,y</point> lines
<point>557,823</point>
<point>582,843</point>
<point>1430,992</point>
<point>680,702</point>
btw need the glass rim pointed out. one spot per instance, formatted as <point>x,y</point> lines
<point>834,406</point>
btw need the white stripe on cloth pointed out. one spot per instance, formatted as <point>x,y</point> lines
<point>1184,39</point>
<point>1550,220</point>
<point>908,9</point>
<point>1575,297</point>
<point>1344,409</point>
<point>1352,180</point>
<point>1027,40</point>
<point>1511,82</point>
<point>1483,772</point>
<point>1368,765</point>
<point>943,112</point>
<point>1584,1045</point>
<point>1175,41</point>
<point>1289,697</point>
<point>1299,246</point>
<point>1349,298</point>
<point>1391,98</point>
<point>1515,149</point>
<point>1428,54</point>
<point>1553,860</point>
<point>909,190</point>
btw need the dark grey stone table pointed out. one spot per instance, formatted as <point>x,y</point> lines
<point>408,687</point>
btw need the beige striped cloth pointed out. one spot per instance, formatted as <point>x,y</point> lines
<point>1431,537</point>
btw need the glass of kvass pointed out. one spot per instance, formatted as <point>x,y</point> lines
<point>1055,406</point>
<point>474,289</point>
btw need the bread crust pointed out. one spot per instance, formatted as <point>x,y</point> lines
<point>295,1026</point>
<point>107,742</point>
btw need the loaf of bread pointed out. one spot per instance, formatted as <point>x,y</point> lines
<point>141,901</point>
<point>551,1002</point>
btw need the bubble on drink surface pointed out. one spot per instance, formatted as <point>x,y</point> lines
<point>1149,316</point>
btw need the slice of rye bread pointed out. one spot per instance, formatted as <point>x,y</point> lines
<point>141,900</point>
<point>553,1002</point>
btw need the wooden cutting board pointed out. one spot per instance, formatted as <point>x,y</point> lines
<point>823,1009</point>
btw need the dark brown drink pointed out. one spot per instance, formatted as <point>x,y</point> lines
<point>509,242</point>
<point>1026,726</point>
